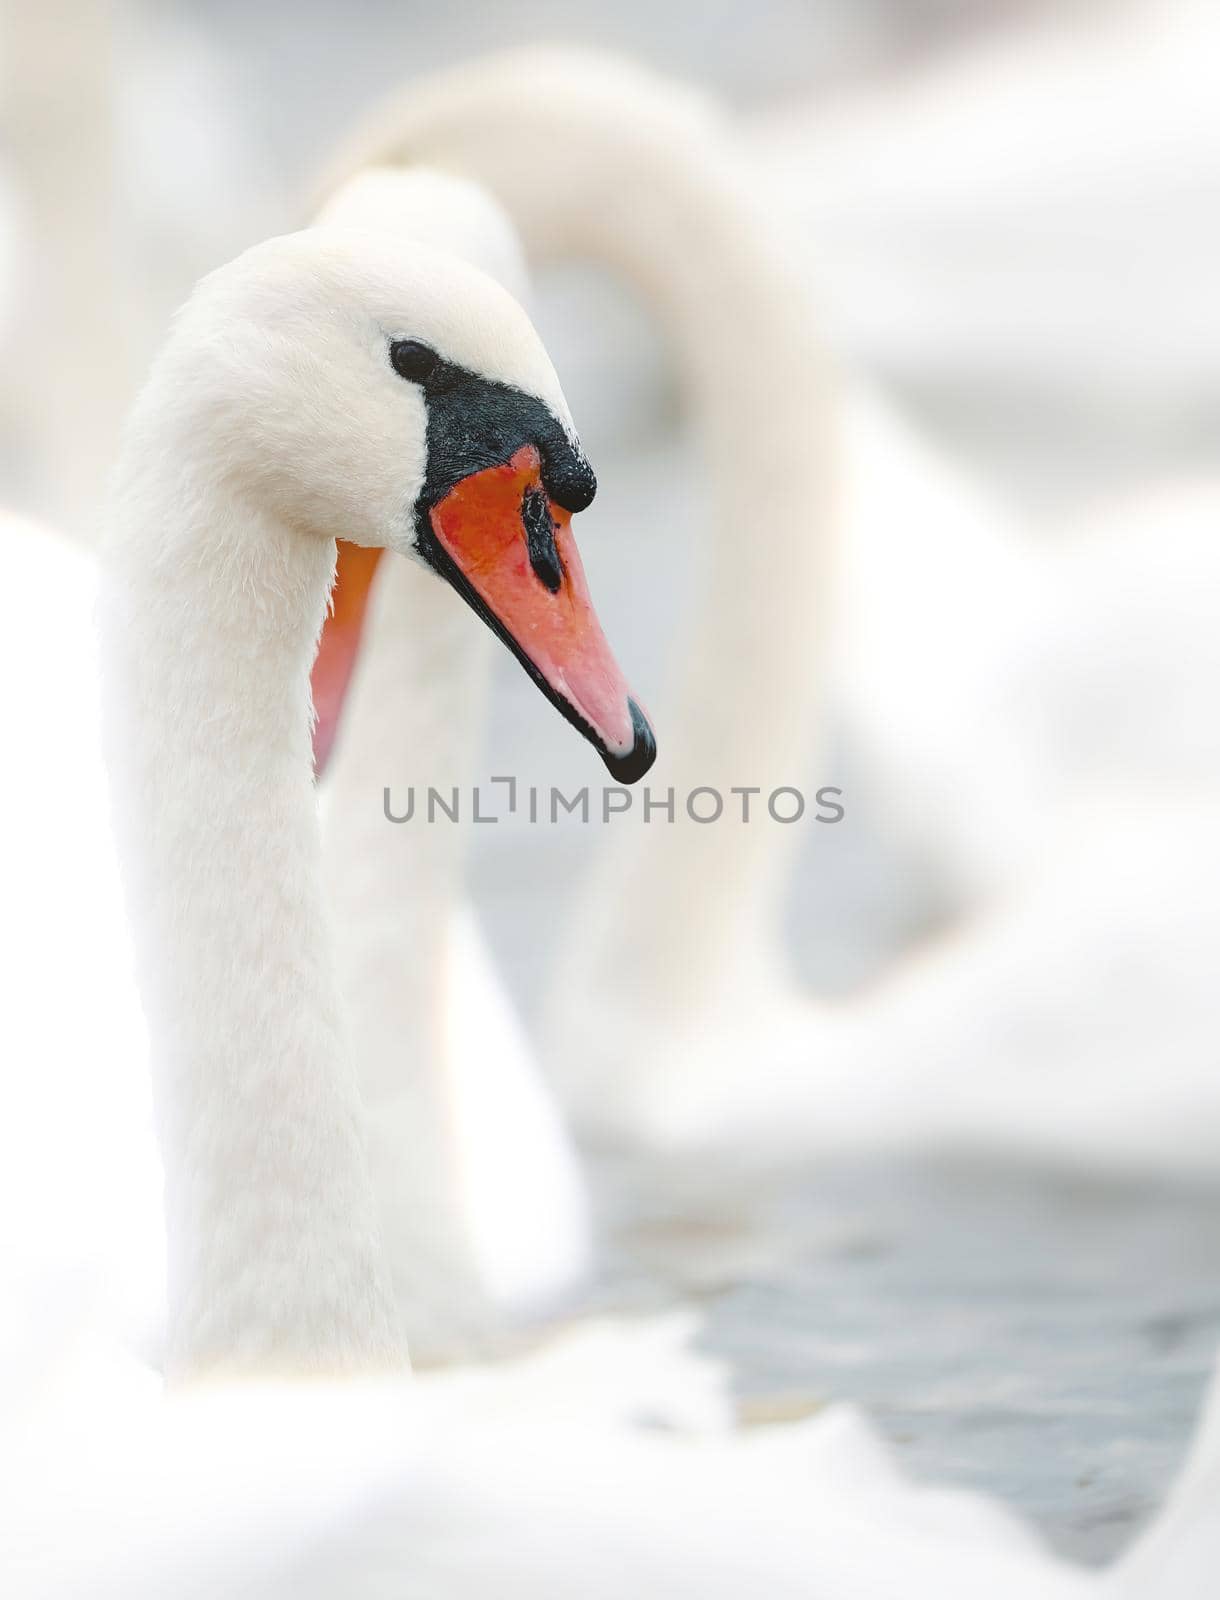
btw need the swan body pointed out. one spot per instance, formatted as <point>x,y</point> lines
<point>885,180</point>
<point>1064,785</point>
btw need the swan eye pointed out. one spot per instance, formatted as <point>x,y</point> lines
<point>412,360</point>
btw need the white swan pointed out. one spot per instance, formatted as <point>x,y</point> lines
<point>517,1190</point>
<point>644,178</point>
<point>1018,211</point>
<point>125,177</point>
<point>864,525</point>
<point>882,185</point>
<point>481,1199</point>
<point>674,1015</point>
<point>60,160</point>
<point>325,384</point>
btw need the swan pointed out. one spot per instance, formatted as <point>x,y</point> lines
<point>880,185</point>
<point>481,1204</point>
<point>505,1203</point>
<point>60,157</point>
<point>127,173</point>
<point>325,384</point>
<point>481,1199</point>
<point>675,1018</point>
<point>886,180</point>
<point>714,266</point>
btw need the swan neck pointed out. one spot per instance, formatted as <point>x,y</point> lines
<point>209,620</point>
<point>640,176</point>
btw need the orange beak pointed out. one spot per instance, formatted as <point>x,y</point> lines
<point>508,550</point>
<point>340,643</point>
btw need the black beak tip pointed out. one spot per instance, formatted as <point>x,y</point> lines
<point>631,767</point>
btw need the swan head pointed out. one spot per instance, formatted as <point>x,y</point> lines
<point>393,397</point>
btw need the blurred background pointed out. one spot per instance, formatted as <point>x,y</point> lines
<point>1007,212</point>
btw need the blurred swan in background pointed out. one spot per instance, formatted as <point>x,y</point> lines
<point>482,1201</point>
<point>57,114</point>
<point>1022,221</point>
<point>127,173</point>
<point>674,1016</point>
<point>712,266</point>
<point>80,1206</point>
<point>998,231</point>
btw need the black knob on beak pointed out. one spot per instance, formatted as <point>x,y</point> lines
<point>630,768</point>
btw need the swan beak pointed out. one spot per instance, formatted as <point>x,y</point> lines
<point>506,546</point>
